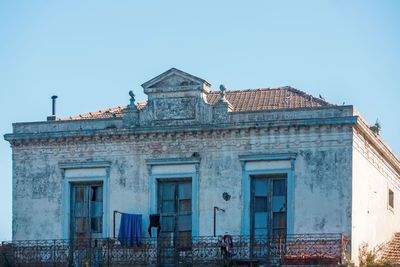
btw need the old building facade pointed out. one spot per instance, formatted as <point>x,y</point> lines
<point>277,161</point>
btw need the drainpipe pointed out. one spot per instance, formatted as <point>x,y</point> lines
<point>215,217</point>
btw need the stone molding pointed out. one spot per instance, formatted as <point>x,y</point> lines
<point>159,143</point>
<point>375,158</point>
<point>329,123</point>
<point>362,129</point>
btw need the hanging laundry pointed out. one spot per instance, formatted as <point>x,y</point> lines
<point>155,222</point>
<point>130,229</point>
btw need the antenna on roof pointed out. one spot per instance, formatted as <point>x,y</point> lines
<point>53,116</point>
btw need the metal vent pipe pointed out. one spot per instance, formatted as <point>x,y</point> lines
<point>54,97</point>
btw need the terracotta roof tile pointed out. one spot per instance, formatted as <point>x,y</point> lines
<point>391,251</point>
<point>103,114</point>
<point>241,100</point>
<point>267,99</point>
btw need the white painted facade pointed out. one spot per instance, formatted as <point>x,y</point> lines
<point>338,171</point>
<point>374,221</point>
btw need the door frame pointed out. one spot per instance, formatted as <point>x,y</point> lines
<point>87,185</point>
<point>194,176</point>
<point>176,182</point>
<point>246,187</point>
<point>66,197</point>
<point>270,177</point>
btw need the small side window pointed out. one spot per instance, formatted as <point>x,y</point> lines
<point>391,199</point>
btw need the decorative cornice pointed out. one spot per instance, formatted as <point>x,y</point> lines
<point>362,127</point>
<point>211,129</point>
<point>218,138</point>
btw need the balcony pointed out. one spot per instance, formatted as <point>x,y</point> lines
<point>304,249</point>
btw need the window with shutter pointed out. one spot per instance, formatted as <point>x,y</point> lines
<point>268,205</point>
<point>86,210</point>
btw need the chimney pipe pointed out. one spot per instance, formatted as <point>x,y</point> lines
<point>54,97</point>
<point>53,116</point>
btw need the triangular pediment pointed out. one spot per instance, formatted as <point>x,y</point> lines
<point>175,80</point>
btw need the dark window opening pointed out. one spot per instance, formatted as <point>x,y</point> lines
<point>261,204</point>
<point>391,199</point>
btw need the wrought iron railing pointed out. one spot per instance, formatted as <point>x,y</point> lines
<point>301,249</point>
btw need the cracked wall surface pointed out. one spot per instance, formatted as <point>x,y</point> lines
<point>322,175</point>
<point>341,171</point>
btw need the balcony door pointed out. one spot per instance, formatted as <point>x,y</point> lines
<point>268,205</point>
<point>86,213</point>
<point>175,207</point>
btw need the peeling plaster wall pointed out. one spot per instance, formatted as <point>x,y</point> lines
<point>322,176</point>
<point>220,171</point>
<point>373,221</point>
<point>340,181</point>
<point>37,201</point>
<point>323,190</point>
<point>129,188</point>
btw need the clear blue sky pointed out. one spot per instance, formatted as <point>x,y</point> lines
<point>91,53</point>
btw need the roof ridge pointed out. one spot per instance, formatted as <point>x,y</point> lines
<point>310,97</point>
<point>288,87</point>
<point>248,90</point>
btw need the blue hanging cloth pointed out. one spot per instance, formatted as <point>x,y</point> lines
<point>129,230</point>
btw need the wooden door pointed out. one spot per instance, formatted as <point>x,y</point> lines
<point>86,211</point>
<point>268,205</point>
<point>268,221</point>
<point>175,208</point>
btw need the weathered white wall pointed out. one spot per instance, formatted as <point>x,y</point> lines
<point>322,176</point>
<point>220,171</point>
<point>373,221</point>
<point>129,188</point>
<point>37,196</point>
<point>340,181</point>
<point>323,191</point>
